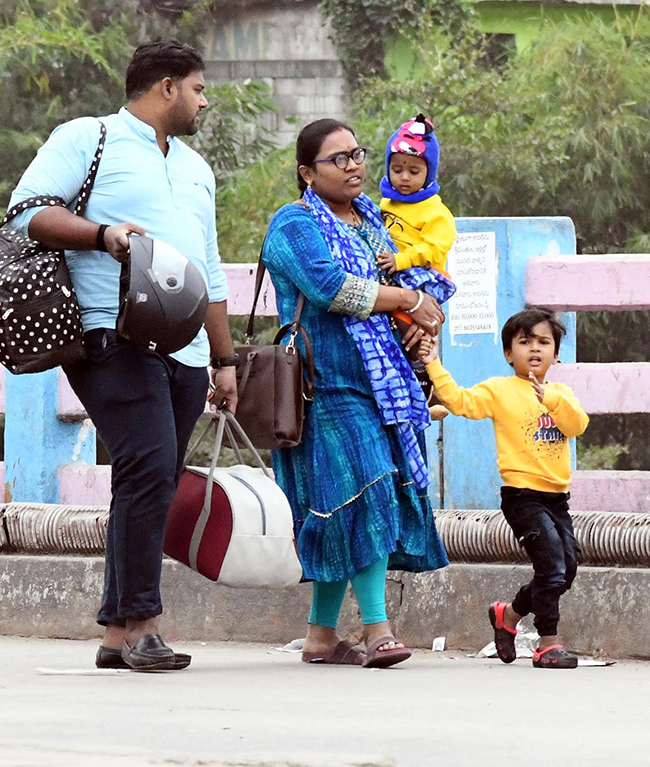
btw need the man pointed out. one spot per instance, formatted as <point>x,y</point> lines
<point>143,404</point>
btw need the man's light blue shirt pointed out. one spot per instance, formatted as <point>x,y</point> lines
<point>171,197</point>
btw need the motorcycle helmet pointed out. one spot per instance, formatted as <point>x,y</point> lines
<point>163,297</point>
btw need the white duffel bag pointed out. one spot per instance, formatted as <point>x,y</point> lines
<point>233,525</point>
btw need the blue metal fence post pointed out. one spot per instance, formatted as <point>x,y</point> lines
<point>470,477</point>
<point>37,443</point>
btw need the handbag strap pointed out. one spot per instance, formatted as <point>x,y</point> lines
<point>225,420</point>
<point>294,326</point>
<point>308,392</point>
<point>259,279</point>
<point>84,192</point>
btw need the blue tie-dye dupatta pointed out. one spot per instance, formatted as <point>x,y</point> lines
<point>396,390</point>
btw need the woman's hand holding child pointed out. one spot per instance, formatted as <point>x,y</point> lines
<point>426,320</point>
<point>429,315</point>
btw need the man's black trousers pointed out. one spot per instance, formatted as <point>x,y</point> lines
<point>144,406</point>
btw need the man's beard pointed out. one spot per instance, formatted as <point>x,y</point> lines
<point>181,126</point>
<point>191,129</point>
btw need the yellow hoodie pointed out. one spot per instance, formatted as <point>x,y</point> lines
<point>423,231</point>
<point>532,437</point>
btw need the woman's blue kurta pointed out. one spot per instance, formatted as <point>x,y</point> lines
<point>348,482</point>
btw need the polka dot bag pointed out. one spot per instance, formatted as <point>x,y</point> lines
<point>40,320</point>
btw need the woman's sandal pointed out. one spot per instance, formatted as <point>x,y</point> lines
<point>344,654</point>
<point>376,658</point>
<point>504,636</point>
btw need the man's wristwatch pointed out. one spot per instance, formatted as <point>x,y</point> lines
<point>225,362</point>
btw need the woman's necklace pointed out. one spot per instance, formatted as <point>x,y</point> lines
<point>356,218</point>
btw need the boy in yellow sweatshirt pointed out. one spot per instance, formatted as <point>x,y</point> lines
<point>533,423</point>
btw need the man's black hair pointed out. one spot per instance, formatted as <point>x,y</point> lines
<point>154,61</point>
<point>525,322</point>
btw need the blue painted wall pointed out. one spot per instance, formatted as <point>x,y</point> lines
<point>469,478</point>
<point>37,443</point>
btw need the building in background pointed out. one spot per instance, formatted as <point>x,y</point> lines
<point>287,44</point>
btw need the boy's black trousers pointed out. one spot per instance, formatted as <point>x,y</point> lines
<point>542,525</point>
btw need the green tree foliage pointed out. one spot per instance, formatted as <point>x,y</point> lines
<point>231,134</point>
<point>560,130</point>
<point>252,196</point>
<point>363,27</point>
<point>61,59</point>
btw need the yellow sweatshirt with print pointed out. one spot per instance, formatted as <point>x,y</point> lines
<point>423,231</point>
<point>532,437</point>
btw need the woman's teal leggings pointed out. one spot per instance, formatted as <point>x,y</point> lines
<point>369,587</point>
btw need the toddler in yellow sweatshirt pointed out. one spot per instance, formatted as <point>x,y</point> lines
<point>420,225</point>
<point>533,423</point>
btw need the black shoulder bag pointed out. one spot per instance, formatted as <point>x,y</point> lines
<point>40,320</point>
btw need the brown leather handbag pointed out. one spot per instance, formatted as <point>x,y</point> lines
<point>275,382</point>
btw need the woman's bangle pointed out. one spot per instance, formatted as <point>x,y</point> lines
<point>418,303</point>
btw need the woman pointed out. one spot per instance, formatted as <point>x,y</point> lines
<point>357,484</point>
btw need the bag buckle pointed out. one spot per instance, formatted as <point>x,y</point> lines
<point>290,348</point>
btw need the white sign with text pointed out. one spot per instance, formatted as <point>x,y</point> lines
<point>472,264</point>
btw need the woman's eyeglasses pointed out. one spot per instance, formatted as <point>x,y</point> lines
<point>342,159</point>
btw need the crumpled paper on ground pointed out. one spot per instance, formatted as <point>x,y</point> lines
<point>525,643</point>
<point>296,645</point>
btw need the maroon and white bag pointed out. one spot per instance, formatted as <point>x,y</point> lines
<point>233,525</point>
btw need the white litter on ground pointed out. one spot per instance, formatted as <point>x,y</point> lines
<point>82,671</point>
<point>296,645</point>
<point>525,643</point>
<point>438,644</point>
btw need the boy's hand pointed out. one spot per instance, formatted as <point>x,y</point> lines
<point>386,262</point>
<point>537,386</point>
<point>428,349</point>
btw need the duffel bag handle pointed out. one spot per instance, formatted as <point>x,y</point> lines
<point>230,423</point>
<point>226,423</point>
<point>226,420</point>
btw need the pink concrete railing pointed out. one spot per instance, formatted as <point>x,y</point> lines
<point>614,282</point>
<point>572,283</point>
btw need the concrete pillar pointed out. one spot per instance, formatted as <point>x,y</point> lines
<point>37,442</point>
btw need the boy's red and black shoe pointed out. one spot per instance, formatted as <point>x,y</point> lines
<point>554,656</point>
<point>504,636</point>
